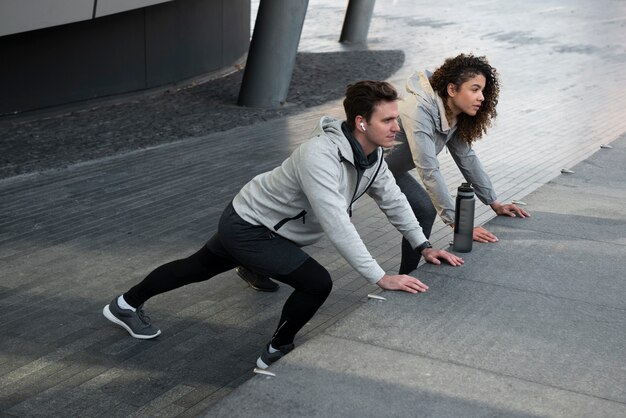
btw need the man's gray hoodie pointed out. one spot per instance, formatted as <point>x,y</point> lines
<point>312,192</point>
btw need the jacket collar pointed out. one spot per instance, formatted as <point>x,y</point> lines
<point>419,84</point>
<point>361,160</point>
<point>331,129</point>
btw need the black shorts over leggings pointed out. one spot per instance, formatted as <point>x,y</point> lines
<point>255,246</point>
<point>238,242</point>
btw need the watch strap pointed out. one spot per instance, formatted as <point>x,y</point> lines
<point>423,246</point>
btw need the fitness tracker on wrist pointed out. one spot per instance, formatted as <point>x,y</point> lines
<point>423,246</point>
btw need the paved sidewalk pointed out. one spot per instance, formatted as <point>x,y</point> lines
<point>533,326</point>
<point>71,239</point>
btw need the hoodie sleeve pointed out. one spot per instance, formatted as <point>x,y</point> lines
<point>396,207</point>
<point>419,127</point>
<point>320,174</point>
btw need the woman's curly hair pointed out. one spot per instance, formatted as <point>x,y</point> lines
<point>457,71</point>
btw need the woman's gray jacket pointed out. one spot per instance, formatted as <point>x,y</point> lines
<point>312,193</point>
<point>425,132</point>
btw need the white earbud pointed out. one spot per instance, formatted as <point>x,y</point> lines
<point>362,126</point>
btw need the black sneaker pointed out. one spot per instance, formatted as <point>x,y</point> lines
<point>256,281</point>
<point>136,323</point>
<point>268,358</point>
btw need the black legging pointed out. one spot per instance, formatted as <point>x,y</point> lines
<point>425,213</point>
<point>312,284</point>
<point>311,281</point>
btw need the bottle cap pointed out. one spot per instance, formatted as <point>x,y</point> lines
<point>466,190</point>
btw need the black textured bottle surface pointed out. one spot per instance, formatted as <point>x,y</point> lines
<point>464,219</point>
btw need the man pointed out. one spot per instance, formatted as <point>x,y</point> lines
<point>275,214</point>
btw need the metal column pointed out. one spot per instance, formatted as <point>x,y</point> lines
<point>357,21</point>
<point>272,53</point>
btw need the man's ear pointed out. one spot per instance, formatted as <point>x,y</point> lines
<point>358,120</point>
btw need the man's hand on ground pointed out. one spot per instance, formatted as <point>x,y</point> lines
<point>401,282</point>
<point>480,234</point>
<point>434,256</point>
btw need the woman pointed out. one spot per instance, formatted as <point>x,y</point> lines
<point>452,107</point>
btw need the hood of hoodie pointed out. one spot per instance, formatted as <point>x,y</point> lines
<point>419,85</point>
<point>332,129</point>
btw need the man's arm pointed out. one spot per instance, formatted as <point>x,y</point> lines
<point>395,206</point>
<point>319,173</point>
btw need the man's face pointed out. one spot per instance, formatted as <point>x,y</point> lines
<point>381,129</point>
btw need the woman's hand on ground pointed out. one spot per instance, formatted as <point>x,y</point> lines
<point>509,210</point>
<point>480,234</point>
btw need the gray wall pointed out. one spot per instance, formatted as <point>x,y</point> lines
<point>123,52</point>
<point>23,15</point>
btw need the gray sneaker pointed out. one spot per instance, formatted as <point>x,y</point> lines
<point>268,358</point>
<point>136,323</point>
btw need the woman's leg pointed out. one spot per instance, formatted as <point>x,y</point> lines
<point>424,212</point>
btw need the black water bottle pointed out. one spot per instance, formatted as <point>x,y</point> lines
<point>464,219</point>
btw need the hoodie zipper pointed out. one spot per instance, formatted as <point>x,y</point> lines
<point>359,177</point>
<point>302,215</point>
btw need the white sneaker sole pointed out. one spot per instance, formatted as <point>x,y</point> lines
<point>108,315</point>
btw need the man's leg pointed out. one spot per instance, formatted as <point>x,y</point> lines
<point>127,310</point>
<point>312,285</point>
<point>265,252</point>
<point>198,267</point>
<point>424,212</point>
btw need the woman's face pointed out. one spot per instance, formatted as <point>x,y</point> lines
<point>467,98</point>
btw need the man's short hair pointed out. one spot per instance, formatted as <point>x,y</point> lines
<point>363,96</point>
